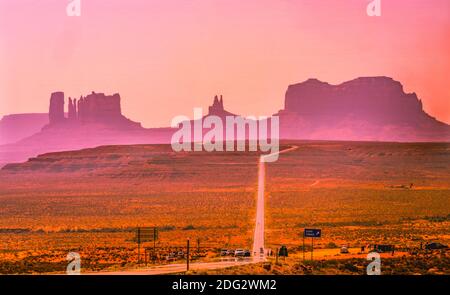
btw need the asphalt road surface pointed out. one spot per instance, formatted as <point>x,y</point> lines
<point>259,251</point>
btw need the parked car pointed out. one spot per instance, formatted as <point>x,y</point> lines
<point>239,252</point>
<point>344,250</point>
<point>383,248</point>
<point>230,252</point>
<point>435,246</point>
<point>247,253</point>
<point>223,252</point>
<point>170,257</point>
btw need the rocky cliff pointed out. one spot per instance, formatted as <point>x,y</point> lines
<point>93,109</point>
<point>92,120</point>
<point>367,108</point>
<point>364,109</point>
<point>17,126</point>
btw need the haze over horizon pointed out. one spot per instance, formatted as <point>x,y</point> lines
<point>166,57</point>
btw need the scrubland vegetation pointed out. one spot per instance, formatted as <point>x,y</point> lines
<point>90,201</point>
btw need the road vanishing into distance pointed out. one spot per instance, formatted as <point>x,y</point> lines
<point>259,251</point>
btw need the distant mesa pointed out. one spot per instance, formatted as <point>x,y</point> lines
<point>92,120</point>
<point>366,108</point>
<point>377,100</point>
<point>15,127</point>
<point>95,108</point>
<point>363,109</point>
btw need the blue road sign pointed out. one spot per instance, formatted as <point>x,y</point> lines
<point>312,232</point>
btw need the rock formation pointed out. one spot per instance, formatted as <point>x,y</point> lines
<point>364,109</point>
<point>95,108</point>
<point>93,120</point>
<point>56,110</point>
<point>217,108</point>
<point>98,107</point>
<point>18,126</point>
<point>72,114</point>
<point>368,108</point>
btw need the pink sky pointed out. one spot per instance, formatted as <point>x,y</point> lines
<point>165,57</point>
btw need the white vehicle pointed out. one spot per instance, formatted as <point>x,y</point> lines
<point>239,252</point>
<point>344,250</point>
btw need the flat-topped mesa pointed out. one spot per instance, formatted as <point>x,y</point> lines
<point>371,98</point>
<point>18,126</point>
<point>95,108</point>
<point>98,107</point>
<point>365,108</point>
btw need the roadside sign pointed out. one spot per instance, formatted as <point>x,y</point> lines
<point>312,232</point>
<point>146,234</point>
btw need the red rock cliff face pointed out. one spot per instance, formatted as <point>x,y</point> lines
<point>93,120</point>
<point>379,100</point>
<point>97,109</point>
<point>368,108</point>
<point>56,109</point>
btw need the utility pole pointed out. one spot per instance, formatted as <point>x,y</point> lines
<point>139,244</point>
<point>187,256</point>
<point>303,247</point>
<point>145,256</point>
<point>154,240</point>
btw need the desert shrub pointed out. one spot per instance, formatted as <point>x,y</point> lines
<point>331,245</point>
<point>349,266</point>
<point>437,218</point>
<point>166,228</point>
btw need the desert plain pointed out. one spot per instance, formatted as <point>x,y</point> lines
<point>358,193</point>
